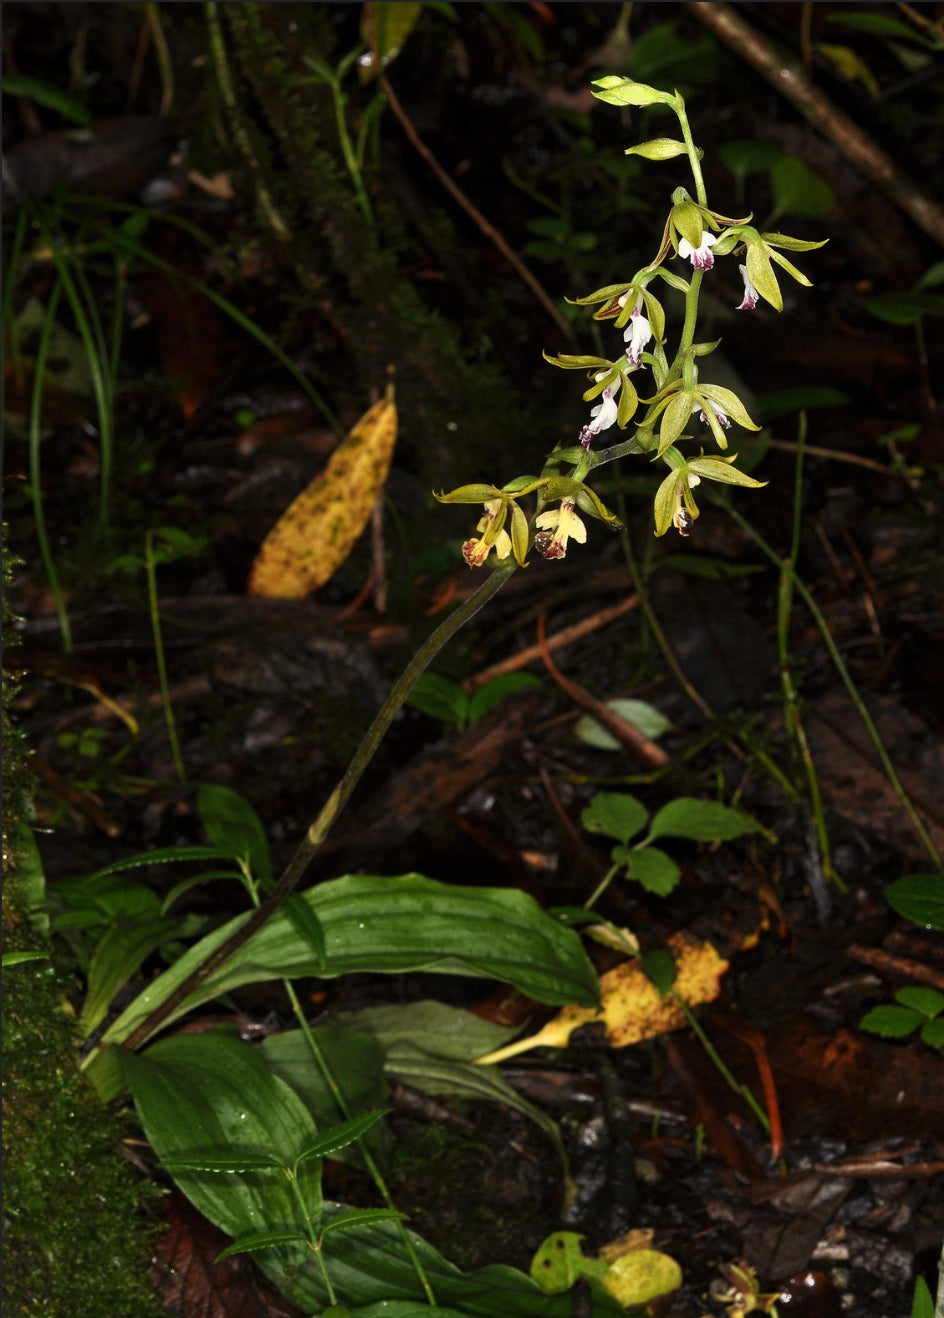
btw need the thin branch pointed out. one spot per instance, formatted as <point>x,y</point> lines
<point>651,755</point>
<point>889,964</point>
<point>490,232</point>
<point>833,123</point>
<point>567,636</point>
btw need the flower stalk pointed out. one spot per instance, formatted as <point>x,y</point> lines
<point>700,236</point>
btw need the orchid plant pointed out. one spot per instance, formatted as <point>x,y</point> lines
<point>694,233</point>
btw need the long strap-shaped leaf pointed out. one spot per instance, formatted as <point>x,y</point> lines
<point>390,925</point>
<point>288,881</point>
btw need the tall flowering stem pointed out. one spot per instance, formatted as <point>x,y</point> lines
<point>693,233</point>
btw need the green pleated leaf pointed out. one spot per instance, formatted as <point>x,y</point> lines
<point>392,926</point>
<point>261,1240</point>
<point>447,1032</point>
<point>427,1045</point>
<point>213,1095</point>
<point>357,1217</point>
<point>245,1162</point>
<point>370,1268</point>
<point>215,1091</point>
<point>118,954</point>
<point>349,1131</point>
<point>160,856</point>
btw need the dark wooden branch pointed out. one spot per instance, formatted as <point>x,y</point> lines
<point>833,123</point>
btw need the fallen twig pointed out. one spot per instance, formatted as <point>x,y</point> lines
<point>556,642</point>
<point>651,755</point>
<point>882,1168</point>
<point>903,966</point>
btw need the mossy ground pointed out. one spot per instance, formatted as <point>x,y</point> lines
<point>76,1240</point>
<point>470,1197</point>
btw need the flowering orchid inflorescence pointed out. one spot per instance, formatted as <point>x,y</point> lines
<point>698,236</point>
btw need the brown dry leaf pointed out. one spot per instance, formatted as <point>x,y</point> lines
<point>193,1285</point>
<point>630,1006</point>
<point>316,533</point>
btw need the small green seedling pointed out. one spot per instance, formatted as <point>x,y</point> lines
<point>919,898</point>
<point>914,1009</point>
<point>445,699</point>
<point>623,817</point>
<point>310,1208</point>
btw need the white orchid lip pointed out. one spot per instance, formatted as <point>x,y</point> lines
<point>751,295</point>
<point>636,335</point>
<point>701,256</point>
<point>603,415</point>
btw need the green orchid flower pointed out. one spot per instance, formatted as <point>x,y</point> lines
<point>675,504</point>
<point>556,526</point>
<point>757,270</point>
<point>693,231</point>
<point>716,406</point>
<point>609,379</point>
<point>499,504</point>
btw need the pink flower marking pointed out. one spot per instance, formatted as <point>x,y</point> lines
<point>701,256</point>
<point>750,292</point>
<point>636,335</point>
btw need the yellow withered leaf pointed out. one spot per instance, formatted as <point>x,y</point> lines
<point>630,1006</point>
<point>316,533</point>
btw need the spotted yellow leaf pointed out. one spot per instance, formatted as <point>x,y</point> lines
<point>316,533</point>
<point>630,1006</point>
